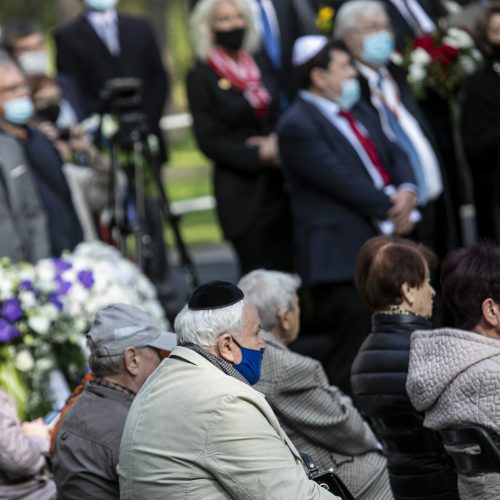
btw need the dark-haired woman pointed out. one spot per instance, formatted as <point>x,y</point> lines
<point>234,109</point>
<point>393,278</point>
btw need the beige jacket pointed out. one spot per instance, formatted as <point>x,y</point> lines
<point>195,432</point>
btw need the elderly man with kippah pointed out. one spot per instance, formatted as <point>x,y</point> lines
<point>197,429</point>
<point>125,348</point>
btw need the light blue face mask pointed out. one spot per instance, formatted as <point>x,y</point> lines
<point>100,4</point>
<point>18,111</point>
<point>351,92</point>
<point>378,47</point>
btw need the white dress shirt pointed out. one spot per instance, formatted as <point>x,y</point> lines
<point>271,15</point>
<point>105,24</point>
<point>425,151</point>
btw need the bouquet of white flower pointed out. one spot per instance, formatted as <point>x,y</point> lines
<point>45,309</point>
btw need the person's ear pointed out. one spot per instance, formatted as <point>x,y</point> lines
<point>490,312</point>
<point>131,360</point>
<point>227,349</point>
<point>318,78</point>
<point>408,293</point>
<point>283,320</point>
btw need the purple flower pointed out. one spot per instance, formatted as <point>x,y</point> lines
<point>64,286</point>
<point>86,278</point>
<point>54,299</point>
<point>11,310</point>
<point>8,332</point>
<point>26,285</point>
<point>61,265</point>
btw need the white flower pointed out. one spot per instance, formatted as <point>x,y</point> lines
<point>458,38</point>
<point>468,64</point>
<point>45,270</point>
<point>27,299</point>
<point>24,361</point>
<point>39,324</point>
<point>476,55</point>
<point>397,58</point>
<point>420,57</point>
<point>50,311</point>
<point>416,73</point>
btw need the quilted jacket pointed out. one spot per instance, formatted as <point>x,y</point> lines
<point>454,376</point>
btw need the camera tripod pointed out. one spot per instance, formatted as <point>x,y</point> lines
<point>131,139</point>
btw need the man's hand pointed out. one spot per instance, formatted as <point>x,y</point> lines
<point>404,202</point>
<point>36,428</point>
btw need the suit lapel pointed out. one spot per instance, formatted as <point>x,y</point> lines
<point>94,40</point>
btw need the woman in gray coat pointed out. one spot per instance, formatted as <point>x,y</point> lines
<point>454,374</point>
<point>23,449</point>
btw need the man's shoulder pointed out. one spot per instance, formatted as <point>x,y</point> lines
<point>299,115</point>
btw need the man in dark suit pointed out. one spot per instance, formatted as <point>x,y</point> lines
<point>101,44</point>
<point>365,27</point>
<point>348,182</point>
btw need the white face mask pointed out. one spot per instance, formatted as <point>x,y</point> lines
<point>100,4</point>
<point>34,62</point>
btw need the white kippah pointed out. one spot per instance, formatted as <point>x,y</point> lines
<point>306,47</point>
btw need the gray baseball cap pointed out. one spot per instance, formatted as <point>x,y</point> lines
<point>119,326</point>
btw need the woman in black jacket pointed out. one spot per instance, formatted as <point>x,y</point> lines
<point>393,278</point>
<point>234,109</point>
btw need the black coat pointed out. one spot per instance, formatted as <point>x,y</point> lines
<point>82,54</point>
<point>378,381</point>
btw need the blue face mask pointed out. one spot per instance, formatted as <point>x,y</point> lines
<point>100,4</point>
<point>378,47</point>
<point>18,111</point>
<point>251,363</point>
<point>351,93</point>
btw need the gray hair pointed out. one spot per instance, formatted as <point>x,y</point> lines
<point>201,31</point>
<point>6,59</point>
<point>204,327</point>
<point>106,365</point>
<point>269,292</point>
<point>349,13</point>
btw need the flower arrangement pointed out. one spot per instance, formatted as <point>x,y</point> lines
<point>440,62</point>
<point>46,308</point>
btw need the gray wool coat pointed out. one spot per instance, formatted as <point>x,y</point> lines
<point>454,377</point>
<point>322,421</point>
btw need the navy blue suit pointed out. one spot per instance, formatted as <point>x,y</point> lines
<point>334,204</point>
<point>333,198</point>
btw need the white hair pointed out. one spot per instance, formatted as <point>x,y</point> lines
<point>201,30</point>
<point>349,13</point>
<point>204,327</point>
<point>269,292</point>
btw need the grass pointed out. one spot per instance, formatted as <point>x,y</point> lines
<point>188,175</point>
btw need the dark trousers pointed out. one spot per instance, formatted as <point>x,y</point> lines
<point>340,311</point>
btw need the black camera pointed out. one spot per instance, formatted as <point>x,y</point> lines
<point>121,96</point>
<point>63,133</point>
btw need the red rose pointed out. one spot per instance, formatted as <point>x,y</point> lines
<point>424,42</point>
<point>444,54</point>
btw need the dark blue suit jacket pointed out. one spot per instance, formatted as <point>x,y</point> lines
<point>334,200</point>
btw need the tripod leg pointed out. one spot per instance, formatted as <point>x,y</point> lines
<point>173,220</point>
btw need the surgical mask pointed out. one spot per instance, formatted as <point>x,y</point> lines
<point>251,363</point>
<point>34,62</point>
<point>231,40</point>
<point>100,4</point>
<point>18,111</point>
<point>49,113</point>
<point>378,47</point>
<point>350,94</point>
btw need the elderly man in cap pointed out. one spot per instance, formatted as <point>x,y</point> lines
<point>348,182</point>
<point>125,348</point>
<point>197,429</point>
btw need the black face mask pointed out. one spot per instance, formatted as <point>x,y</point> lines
<point>50,113</point>
<point>231,40</point>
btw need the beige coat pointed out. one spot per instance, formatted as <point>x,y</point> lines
<point>195,432</point>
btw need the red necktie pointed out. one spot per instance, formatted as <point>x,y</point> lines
<point>368,146</point>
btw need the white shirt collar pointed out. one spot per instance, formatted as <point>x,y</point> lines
<point>99,18</point>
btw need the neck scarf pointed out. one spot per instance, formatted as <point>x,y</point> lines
<point>244,75</point>
<point>220,363</point>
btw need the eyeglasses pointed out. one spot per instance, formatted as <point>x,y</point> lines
<point>13,89</point>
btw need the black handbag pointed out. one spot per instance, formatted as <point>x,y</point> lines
<point>326,479</point>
